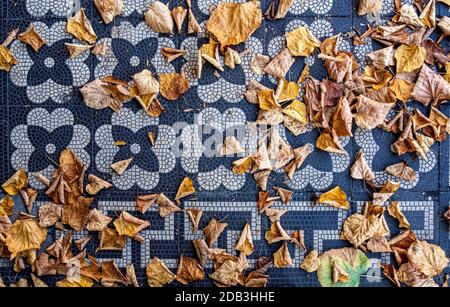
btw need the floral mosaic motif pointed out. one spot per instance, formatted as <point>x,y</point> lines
<point>148,161</point>
<point>133,48</point>
<point>46,75</point>
<point>197,156</point>
<point>58,8</point>
<point>44,135</point>
<point>320,7</point>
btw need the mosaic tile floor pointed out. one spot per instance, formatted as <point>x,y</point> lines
<point>42,112</point>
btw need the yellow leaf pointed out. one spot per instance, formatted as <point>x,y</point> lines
<point>376,78</point>
<point>301,42</point>
<point>410,58</point>
<point>447,71</point>
<point>242,166</point>
<point>402,89</point>
<point>75,282</point>
<point>233,23</point>
<point>245,242</point>
<point>329,141</point>
<point>286,90</point>
<point>267,100</point>
<point>336,198</point>
<point>173,86</point>
<point>25,235</point>
<point>128,225</point>
<point>7,59</point>
<point>32,38</point>
<point>6,206</point>
<point>158,274</point>
<point>16,183</point>
<point>186,188</point>
<point>80,27</point>
<point>297,110</point>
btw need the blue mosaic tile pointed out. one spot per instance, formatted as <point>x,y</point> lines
<point>45,9</point>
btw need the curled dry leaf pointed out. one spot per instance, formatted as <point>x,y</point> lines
<point>258,63</point>
<point>390,273</point>
<point>329,141</point>
<point>80,27</point>
<point>82,243</point>
<point>195,216</point>
<point>77,49</point>
<point>351,263</point>
<point>431,87</point>
<point>265,201</point>
<point>370,113</point>
<point>159,18</point>
<point>37,282</point>
<point>301,42</point>
<point>75,214</point>
<point>361,169</point>
<point>311,262</point>
<point>146,84</point>
<point>109,9</point>
<point>280,65</point>
<point>383,57</point>
<point>231,146</point>
<point>15,183</point>
<point>267,100</point>
<point>335,198</point>
<point>297,111</point>
<point>110,240</point>
<point>227,274</point>
<point>97,221</point>
<point>343,119</point>
<point>358,228</point>
<point>7,59</point>
<point>282,257</point>
<point>189,269</point>
<point>6,206</point>
<point>165,205</point>
<point>131,276</point>
<point>285,195</point>
<point>245,242</point>
<point>32,38</point>
<point>111,274</point>
<point>395,211</point>
<point>369,6</point>
<point>101,49</point>
<point>171,54</point>
<point>379,244</point>
<point>49,214</point>
<point>428,259</point>
<point>144,202</point>
<point>158,274</point>
<point>403,89</point>
<point>275,215</point>
<point>98,95</point>
<point>24,235</point>
<point>283,8</point>
<point>179,14</point>
<point>75,282</point>
<point>96,184</point>
<point>213,230</point>
<point>428,15</point>
<point>276,233</point>
<point>300,155</point>
<point>173,86</point>
<point>410,58</point>
<point>408,275</point>
<point>186,188</point>
<point>193,26</point>
<point>128,225</point>
<point>232,58</point>
<point>233,23</point>
<point>386,192</point>
<point>121,166</point>
<point>402,171</point>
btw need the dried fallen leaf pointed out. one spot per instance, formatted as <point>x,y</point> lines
<point>16,183</point>
<point>165,205</point>
<point>311,262</point>
<point>276,233</point>
<point>75,213</point>
<point>371,113</point>
<point>428,259</point>
<point>186,188</point>
<point>282,257</point>
<point>231,146</point>
<point>111,274</point>
<point>275,215</point>
<point>75,282</point>
<point>121,166</point>
<point>159,18</point>
<point>431,87</point>
<point>110,240</point>
<point>24,235</point>
<point>369,6</point>
<point>329,141</point>
<point>173,86</point>
<point>7,59</point>
<point>97,221</point>
<point>358,228</point>
<point>77,49</point>
<point>96,184</point>
<point>189,270</point>
<point>49,214</point>
<point>361,169</point>
<point>195,216</point>
<point>281,64</point>
<point>213,230</point>
<point>258,63</point>
<point>128,225</point>
<point>179,14</point>
<point>6,206</point>
<point>395,211</point>
<point>171,54</point>
<point>32,38</point>
<point>411,277</point>
<point>233,23</point>
<point>245,242</point>
<point>109,9</point>
<point>335,198</point>
<point>80,27</point>
<point>285,195</point>
<point>158,274</point>
<point>402,171</point>
<point>410,58</point>
<point>301,42</point>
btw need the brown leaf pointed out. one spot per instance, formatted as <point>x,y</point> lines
<point>400,245</point>
<point>391,273</point>
<point>232,58</point>
<point>402,171</point>
<point>82,243</point>
<point>158,274</point>
<point>311,262</point>
<point>258,64</point>
<point>378,245</point>
<point>227,274</point>
<point>361,169</point>
<point>97,96</point>
<point>80,27</point>
<point>121,166</point>
<point>275,215</point>
<point>24,235</point>
<point>165,205</point>
<point>233,23</point>
<point>395,211</point>
<point>97,221</point>
<point>159,18</point>
<point>7,59</point>
<point>335,198</point>
<point>189,270</point>
<point>428,259</point>
<point>297,239</point>
<point>386,192</point>
<point>32,38</point>
<point>284,194</point>
<point>77,49</point>
<point>413,278</point>
<point>195,216</point>
<point>231,146</point>
<point>186,188</point>
<point>358,228</point>
<point>301,42</point>
<point>369,6</point>
<point>282,257</point>
<point>6,206</point>
<point>329,141</point>
<point>37,282</point>
<point>75,282</point>
<point>283,8</point>
<point>265,201</point>
<point>179,14</point>
<point>49,214</point>
<point>171,54</point>
<point>383,57</point>
<point>110,240</point>
<point>76,213</point>
<point>371,113</point>
<point>300,155</point>
<point>128,225</point>
<point>131,276</point>
<point>276,233</point>
<point>280,65</point>
<point>173,86</point>
<point>343,119</point>
<point>111,274</point>
<point>431,87</point>
<point>96,184</point>
<point>16,182</point>
<point>144,202</point>
<point>245,242</point>
<point>213,231</point>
